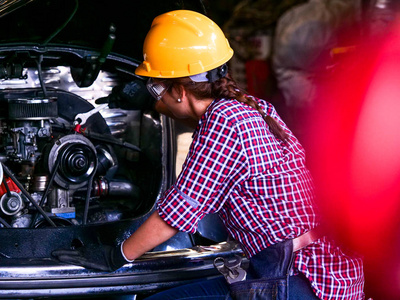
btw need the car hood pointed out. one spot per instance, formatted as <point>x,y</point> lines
<point>120,25</point>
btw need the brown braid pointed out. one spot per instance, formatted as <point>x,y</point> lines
<point>227,88</point>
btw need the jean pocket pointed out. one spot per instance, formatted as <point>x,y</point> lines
<point>260,289</point>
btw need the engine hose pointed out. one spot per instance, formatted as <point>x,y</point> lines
<point>105,138</point>
<point>46,192</point>
<point>7,187</point>
<point>109,139</point>
<point>40,75</point>
<point>27,195</point>
<point>4,222</point>
<point>87,199</point>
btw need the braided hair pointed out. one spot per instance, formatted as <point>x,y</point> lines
<point>227,88</point>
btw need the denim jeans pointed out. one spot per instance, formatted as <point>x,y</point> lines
<point>267,279</point>
<point>218,289</point>
<point>267,275</point>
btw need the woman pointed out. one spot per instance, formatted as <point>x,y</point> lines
<point>244,164</point>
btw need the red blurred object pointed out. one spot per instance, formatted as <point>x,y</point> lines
<point>11,185</point>
<point>356,145</point>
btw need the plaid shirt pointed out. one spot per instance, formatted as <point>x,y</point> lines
<point>262,191</point>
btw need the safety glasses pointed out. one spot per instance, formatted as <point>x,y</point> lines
<point>157,88</point>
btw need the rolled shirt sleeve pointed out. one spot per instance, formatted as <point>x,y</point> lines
<point>215,163</point>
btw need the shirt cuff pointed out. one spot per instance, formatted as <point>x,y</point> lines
<point>123,254</point>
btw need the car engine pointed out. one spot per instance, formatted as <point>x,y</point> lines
<point>58,172</point>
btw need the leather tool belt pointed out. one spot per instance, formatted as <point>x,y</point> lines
<point>306,239</point>
<point>276,262</point>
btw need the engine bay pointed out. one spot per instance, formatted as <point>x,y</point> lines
<point>58,172</point>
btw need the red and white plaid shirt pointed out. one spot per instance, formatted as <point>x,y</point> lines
<point>262,191</point>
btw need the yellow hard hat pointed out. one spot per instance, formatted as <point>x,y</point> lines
<point>183,43</point>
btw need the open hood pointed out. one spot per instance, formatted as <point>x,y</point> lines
<point>119,26</point>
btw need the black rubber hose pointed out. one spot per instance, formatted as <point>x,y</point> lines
<point>46,192</point>
<point>87,200</point>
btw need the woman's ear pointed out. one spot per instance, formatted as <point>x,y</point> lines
<point>180,91</point>
<point>183,93</point>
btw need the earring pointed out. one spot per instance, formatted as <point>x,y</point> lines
<point>179,100</point>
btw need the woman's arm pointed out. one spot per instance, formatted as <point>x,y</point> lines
<point>152,233</point>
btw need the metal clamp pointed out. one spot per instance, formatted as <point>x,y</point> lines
<point>232,270</point>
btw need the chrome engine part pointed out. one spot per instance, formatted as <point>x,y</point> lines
<point>64,172</point>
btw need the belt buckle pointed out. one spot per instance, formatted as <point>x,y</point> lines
<point>231,269</point>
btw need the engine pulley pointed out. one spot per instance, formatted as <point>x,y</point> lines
<point>11,203</point>
<point>78,161</point>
